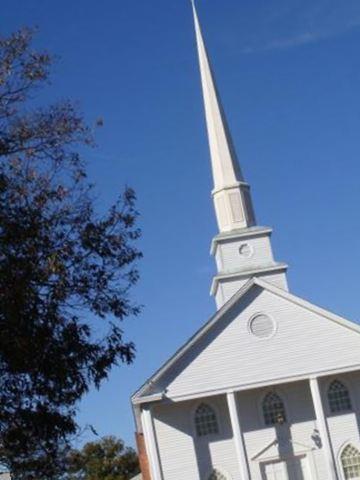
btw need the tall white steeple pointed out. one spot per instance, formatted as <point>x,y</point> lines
<point>241,249</point>
<point>231,193</point>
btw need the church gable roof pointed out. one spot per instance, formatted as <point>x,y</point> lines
<point>261,334</point>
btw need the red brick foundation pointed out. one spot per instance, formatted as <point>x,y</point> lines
<point>143,458</point>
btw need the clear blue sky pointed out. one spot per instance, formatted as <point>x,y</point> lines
<point>289,73</point>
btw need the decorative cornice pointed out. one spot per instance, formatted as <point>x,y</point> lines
<point>277,267</point>
<point>242,233</point>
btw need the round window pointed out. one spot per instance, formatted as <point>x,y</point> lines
<point>262,326</point>
<point>246,250</point>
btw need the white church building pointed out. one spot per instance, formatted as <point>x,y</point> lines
<point>269,387</point>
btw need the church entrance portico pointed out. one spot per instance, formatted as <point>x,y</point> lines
<point>313,422</point>
<point>306,429</point>
<point>288,431</point>
<point>293,433</point>
<point>282,443</point>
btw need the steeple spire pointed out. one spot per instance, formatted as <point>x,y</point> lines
<point>242,249</point>
<point>231,194</point>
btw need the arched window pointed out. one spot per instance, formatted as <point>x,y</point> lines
<point>216,475</point>
<point>205,420</point>
<point>350,460</point>
<point>339,397</point>
<point>273,409</point>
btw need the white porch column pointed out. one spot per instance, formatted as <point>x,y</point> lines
<point>323,428</point>
<point>151,444</point>
<point>238,436</point>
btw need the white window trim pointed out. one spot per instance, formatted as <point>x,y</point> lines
<point>351,394</point>
<point>283,397</point>
<point>265,339</point>
<point>355,444</point>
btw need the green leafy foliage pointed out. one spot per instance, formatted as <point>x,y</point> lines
<point>107,459</point>
<point>65,271</point>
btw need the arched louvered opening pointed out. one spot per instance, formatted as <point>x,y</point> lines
<point>350,461</point>
<point>206,422</point>
<point>339,397</point>
<point>216,475</point>
<point>273,409</point>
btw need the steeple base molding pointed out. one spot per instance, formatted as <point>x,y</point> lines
<point>233,207</point>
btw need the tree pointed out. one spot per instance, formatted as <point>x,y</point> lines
<point>65,271</point>
<point>107,459</point>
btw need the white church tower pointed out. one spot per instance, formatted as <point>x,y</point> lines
<point>269,387</point>
<point>242,249</point>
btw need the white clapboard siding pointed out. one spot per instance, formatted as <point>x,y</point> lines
<point>183,455</point>
<point>175,441</point>
<point>229,356</point>
<point>343,427</point>
<point>228,257</point>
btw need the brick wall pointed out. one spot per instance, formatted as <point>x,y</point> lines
<point>143,458</point>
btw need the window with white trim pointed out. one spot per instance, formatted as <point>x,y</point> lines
<point>350,461</point>
<point>216,475</point>
<point>339,397</point>
<point>273,409</point>
<point>206,420</point>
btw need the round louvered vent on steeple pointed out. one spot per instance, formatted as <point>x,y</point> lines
<point>262,326</point>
